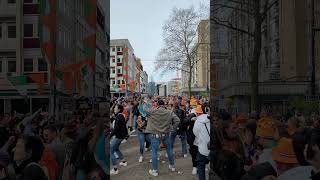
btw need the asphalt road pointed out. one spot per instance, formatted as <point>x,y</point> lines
<point>140,171</point>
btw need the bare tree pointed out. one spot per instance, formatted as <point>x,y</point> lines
<point>180,42</point>
<point>256,12</point>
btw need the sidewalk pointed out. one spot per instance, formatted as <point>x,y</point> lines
<point>140,171</point>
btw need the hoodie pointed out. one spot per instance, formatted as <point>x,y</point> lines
<point>202,135</point>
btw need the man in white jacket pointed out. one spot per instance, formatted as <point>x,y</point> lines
<point>201,131</point>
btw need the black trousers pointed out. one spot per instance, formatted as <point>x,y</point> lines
<point>194,151</point>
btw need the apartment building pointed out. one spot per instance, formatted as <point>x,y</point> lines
<point>284,65</point>
<point>122,65</point>
<point>144,81</point>
<point>203,56</point>
<point>26,70</point>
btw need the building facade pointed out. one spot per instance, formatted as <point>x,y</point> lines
<point>144,81</point>
<point>203,55</point>
<point>123,66</point>
<point>26,71</point>
<point>284,64</point>
<point>152,88</point>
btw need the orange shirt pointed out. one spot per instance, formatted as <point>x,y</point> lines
<point>48,160</point>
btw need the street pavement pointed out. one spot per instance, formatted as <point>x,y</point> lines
<point>140,171</point>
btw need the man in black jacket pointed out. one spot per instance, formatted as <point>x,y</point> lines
<point>120,132</point>
<point>193,150</point>
<point>181,130</point>
<point>27,153</point>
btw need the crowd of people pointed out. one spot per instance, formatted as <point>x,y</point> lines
<point>37,147</point>
<point>264,146</point>
<point>158,122</point>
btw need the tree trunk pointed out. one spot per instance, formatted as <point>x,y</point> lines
<point>256,56</point>
<point>189,83</point>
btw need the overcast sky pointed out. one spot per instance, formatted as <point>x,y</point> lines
<point>141,22</point>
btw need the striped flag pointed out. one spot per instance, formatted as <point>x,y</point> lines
<point>19,83</point>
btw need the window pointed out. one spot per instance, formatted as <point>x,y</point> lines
<point>113,71</point>
<point>11,1</point>
<point>119,71</point>
<point>12,66</point>
<point>28,30</point>
<point>113,82</point>
<point>119,60</point>
<point>122,81</point>
<point>42,65</point>
<point>113,60</point>
<point>28,65</point>
<point>0,66</point>
<point>0,31</point>
<point>119,81</point>
<point>11,30</point>
<point>118,49</point>
<point>113,49</point>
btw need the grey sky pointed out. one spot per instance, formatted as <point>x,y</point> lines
<point>141,22</point>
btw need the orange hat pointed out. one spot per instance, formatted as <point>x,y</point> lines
<point>284,152</point>
<point>265,128</point>
<point>199,109</point>
<point>193,102</point>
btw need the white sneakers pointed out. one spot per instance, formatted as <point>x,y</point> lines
<point>123,163</point>
<point>140,159</point>
<point>114,172</point>
<point>172,168</point>
<point>194,171</point>
<point>185,155</point>
<point>153,172</point>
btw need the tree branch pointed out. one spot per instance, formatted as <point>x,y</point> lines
<point>230,26</point>
<point>231,7</point>
<point>267,8</point>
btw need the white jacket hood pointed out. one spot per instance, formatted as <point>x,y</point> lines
<point>203,118</point>
<point>201,130</point>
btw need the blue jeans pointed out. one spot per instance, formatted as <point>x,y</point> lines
<point>202,160</point>
<point>135,123</point>
<point>155,142</point>
<point>183,138</point>
<point>142,139</point>
<point>114,148</point>
<point>81,175</point>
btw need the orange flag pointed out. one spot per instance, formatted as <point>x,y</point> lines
<point>39,79</point>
